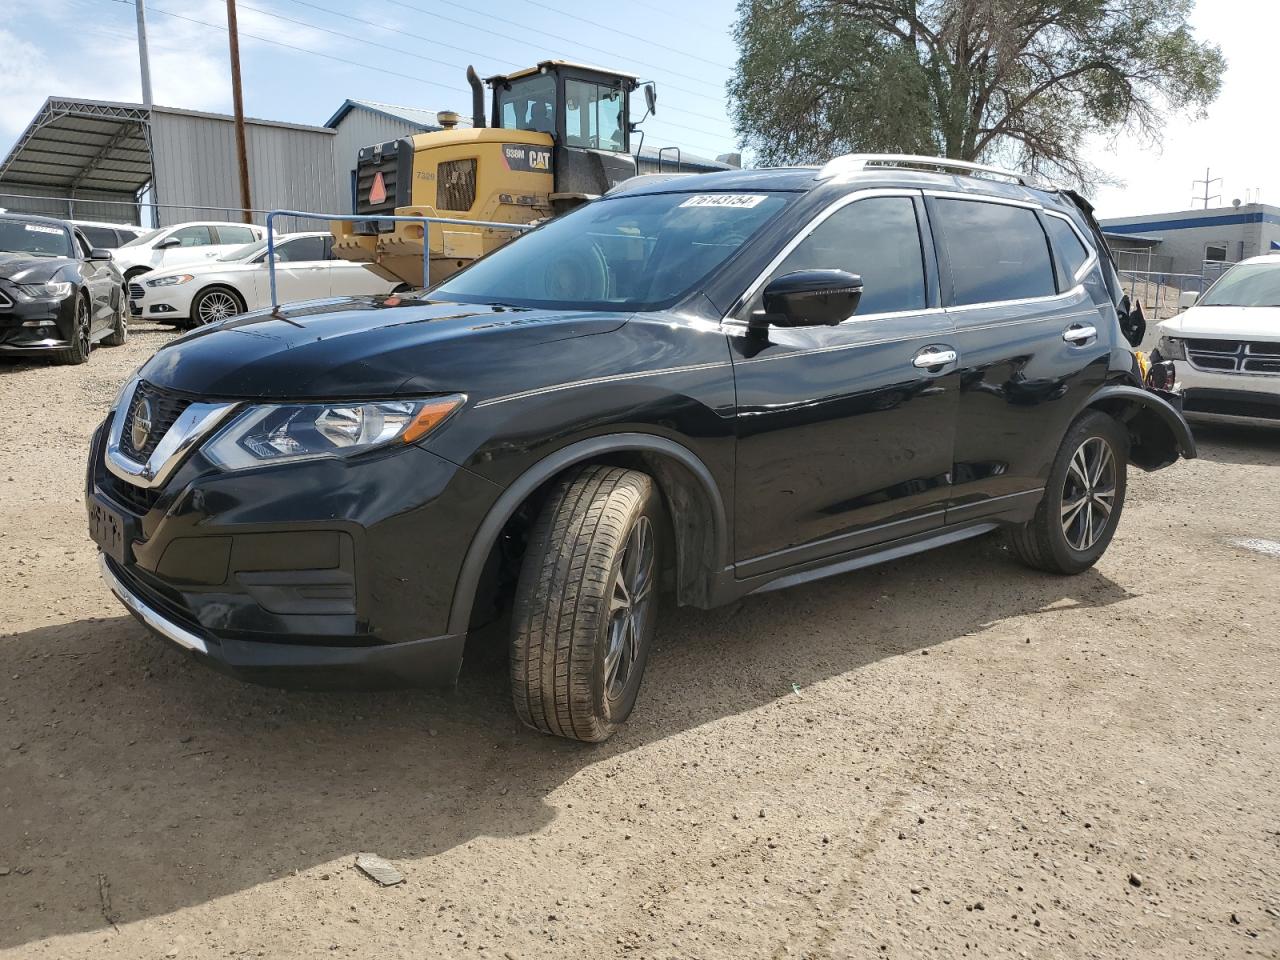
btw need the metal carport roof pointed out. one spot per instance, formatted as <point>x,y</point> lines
<point>90,145</point>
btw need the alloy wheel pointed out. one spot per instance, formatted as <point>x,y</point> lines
<point>630,605</point>
<point>82,327</point>
<point>1089,493</point>
<point>217,305</point>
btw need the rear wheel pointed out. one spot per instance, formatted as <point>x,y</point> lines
<point>586,604</point>
<point>78,351</point>
<point>214,304</point>
<point>1083,499</point>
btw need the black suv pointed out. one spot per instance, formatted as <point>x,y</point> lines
<point>717,385</point>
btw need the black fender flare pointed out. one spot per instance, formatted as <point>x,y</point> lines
<point>1157,430</point>
<point>523,487</point>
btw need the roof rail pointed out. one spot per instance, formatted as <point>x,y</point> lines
<point>857,162</point>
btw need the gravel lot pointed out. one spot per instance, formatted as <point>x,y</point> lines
<point>947,756</point>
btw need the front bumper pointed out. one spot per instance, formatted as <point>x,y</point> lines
<point>430,662</point>
<point>35,326</point>
<point>162,304</point>
<point>1237,396</point>
<point>317,574</point>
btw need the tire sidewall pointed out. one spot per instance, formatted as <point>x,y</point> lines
<point>194,320</point>
<point>1093,424</point>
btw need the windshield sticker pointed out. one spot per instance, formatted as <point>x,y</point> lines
<point>744,200</point>
<point>41,228</point>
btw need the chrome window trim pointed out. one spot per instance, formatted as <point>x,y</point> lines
<point>1075,292</point>
<point>192,426</point>
<point>982,198</point>
<point>1092,260</point>
<point>802,235</point>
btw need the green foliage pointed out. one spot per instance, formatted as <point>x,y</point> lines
<point>1022,81</point>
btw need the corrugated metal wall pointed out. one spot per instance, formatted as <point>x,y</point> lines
<point>362,128</point>
<point>17,198</point>
<point>290,167</point>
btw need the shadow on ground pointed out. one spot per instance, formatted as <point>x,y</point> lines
<point>123,758</point>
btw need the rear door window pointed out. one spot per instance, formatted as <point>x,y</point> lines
<point>996,251</point>
<point>238,235</point>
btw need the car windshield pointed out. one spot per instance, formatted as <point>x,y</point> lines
<point>36,239</point>
<point>639,252</point>
<point>146,237</point>
<point>1246,285</point>
<point>244,252</point>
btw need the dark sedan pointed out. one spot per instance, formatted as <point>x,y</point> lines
<point>58,295</point>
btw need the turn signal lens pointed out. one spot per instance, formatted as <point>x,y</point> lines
<point>433,413</point>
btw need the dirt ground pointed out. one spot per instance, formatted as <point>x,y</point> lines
<point>948,756</point>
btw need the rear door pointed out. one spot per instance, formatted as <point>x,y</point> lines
<point>302,273</point>
<point>845,432</point>
<point>1028,331</point>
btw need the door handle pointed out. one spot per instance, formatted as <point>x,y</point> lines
<point>1079,333</point>
<point>934,356</point>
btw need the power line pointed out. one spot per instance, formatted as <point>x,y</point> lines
<point>632,36</point>
<point>559,39</point>
<point>418,36</point>
<point>356,63</point>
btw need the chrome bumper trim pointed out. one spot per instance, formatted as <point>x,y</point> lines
<point>152,618</point>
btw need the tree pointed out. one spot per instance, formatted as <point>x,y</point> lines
<point>1019,81</point>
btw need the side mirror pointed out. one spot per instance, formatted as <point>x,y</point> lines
<point>651,98</point>
<point>1187,299</point>
<point>810,298</point>
<point>168,242</point>
<point>99,253</point>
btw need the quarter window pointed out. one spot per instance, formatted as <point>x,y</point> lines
<point>879,240</point>
<point>996,251</point>
<point>1070,249</point>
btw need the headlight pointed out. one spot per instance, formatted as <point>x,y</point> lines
<point>276,433</point>
<point>53,290</point>
<point>1172,348</point>
<point>170,281</point>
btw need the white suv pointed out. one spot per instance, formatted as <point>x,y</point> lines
<point>1226,348</point>
<point>183,243</point>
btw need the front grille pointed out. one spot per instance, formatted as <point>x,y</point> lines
<point>136,292</point>
<point>456,185</point>
<point>138,499</point>
<point>1234,356</point>
<point>368,166</point>
<point>165,409</point>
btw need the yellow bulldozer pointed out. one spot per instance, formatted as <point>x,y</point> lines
<point>560,135</point>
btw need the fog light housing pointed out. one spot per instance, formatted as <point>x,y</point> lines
<point>1162,376</point>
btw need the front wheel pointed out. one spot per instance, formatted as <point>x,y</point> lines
<point>586,604</point>
<point>1082,501</point>
<point>215,304</point>
<point>80,345</point>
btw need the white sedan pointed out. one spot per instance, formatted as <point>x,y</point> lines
<point>238,281</point>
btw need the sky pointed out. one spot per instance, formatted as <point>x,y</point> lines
<point>301,58</point>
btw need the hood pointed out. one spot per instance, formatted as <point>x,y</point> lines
<point>368,347</point>
<point>24,268</point>
<point>1225,323</point>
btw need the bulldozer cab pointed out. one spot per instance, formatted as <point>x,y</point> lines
<point>585,111</point>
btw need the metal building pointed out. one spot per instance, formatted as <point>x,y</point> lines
<point>92,160</point>
<point>1194,241</point>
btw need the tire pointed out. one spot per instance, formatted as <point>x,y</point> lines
<point>119,334</point>
<point>1088,473</point>
<point>213,304</point>
<point>586,603</point>
<point>78,352</point>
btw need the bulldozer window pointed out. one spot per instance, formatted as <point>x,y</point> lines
<point>593,116</point>
<point>529,104</point>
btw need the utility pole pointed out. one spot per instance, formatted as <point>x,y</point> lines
<point>1207,184</point>
<point>237,97</point>
<point>144,58</point>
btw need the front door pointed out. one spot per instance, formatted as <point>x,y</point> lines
<point>302,273</point>
<point>845,432</point>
